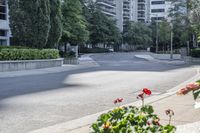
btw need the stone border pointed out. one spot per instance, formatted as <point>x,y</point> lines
<point>189,59</point>
<point>19,65</point>
<point>165,56</point>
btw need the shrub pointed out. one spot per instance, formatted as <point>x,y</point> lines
<point>132,119</point>
<point>195,52</point>
<point>27,54</point>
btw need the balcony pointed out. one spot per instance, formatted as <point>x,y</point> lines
<point>106,3</point>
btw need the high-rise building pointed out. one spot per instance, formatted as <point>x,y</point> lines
<point>135,10</point>
<point>4,24</point>
<point>159,10</point>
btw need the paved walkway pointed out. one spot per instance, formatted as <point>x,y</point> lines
<point>186,117</point>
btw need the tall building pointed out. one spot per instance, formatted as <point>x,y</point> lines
<point>135,10</point>
<point>120,10</point>
<point>159,10</point>
<point>4,24</point>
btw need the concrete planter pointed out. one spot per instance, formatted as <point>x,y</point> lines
<point>73,61</point>
<point>29,64</point>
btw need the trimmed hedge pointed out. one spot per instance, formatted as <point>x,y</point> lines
<point>195,52</point>
<point>27,54</point>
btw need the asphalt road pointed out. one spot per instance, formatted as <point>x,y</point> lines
<point>35,101</point>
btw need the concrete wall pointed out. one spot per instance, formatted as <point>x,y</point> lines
<point>165,56</point>
<point>29,64</point>
<point>189,59</point>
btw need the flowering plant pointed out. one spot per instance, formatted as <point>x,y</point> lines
<point>195,87</point>
<point>131,119</point>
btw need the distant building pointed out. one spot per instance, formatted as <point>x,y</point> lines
<point>4,24</point>
<point>135,10</point>
<point>159,10</point>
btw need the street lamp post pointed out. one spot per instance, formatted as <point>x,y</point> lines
<point>171,47</point>
<point>156,15</point>
<point>157,34</point>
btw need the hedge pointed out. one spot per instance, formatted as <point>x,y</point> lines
<point>195,52</point>
<point>27,54</point>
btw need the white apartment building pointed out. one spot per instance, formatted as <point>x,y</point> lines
<point>135,10</point>
<point>159,10</point>
<point>4,24</point>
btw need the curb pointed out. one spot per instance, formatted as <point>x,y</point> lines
<point>76,126</point>
<point>150,58</point>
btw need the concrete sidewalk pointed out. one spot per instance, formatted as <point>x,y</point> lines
<point>186,117</point>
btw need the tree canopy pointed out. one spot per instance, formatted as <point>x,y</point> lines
<point>74,24</point>
<point>136,33</point>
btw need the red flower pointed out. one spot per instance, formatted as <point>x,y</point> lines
<point>193,86</point>
<point>118,100</point>
<point>147,91</point>
<point>148,123</point>
<point>183,91</point>
<point>169,112</point>
<point>140,96</point>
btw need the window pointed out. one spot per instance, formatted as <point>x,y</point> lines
<point>2,32</point>
<point>2,2</point>
<point>157,2</point>
<point>157,18</point>
<point>2,9</point>
<point>3,42</point>
<point>157,10</point>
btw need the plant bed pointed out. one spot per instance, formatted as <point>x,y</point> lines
<point>132,119</point>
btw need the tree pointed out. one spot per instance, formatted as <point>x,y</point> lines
<point>30,22</point>
<point>136,33</point>
<point>164,31</point>
<point>194,16</point>
<point>180,21</point>
<point>74,24</point>
<point>56,24</point>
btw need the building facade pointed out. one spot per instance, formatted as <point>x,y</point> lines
<point>135,10</point>
<point>159,10</point>
<point>4,24</point>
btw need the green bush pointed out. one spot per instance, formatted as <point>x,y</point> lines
<point>12,47</point>
<point>27,54</point>
<point>195,52</point>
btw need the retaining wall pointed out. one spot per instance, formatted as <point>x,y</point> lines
<point>29,64</point>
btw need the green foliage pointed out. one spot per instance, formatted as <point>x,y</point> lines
<point>74,24</point>
<point>130,120</point>
<point>137,34</point>
<point>103,30</point>
<point>181,25</point>
<point>56,24</point>
<point>30,22</point>
<point>27,54</point>
<point>195,52</point>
